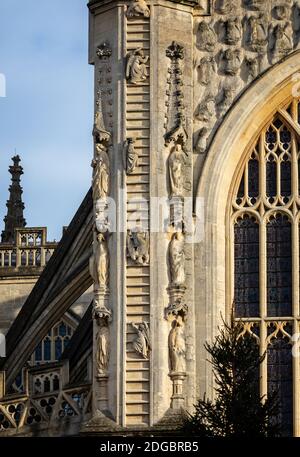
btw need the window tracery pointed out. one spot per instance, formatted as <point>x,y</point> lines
<point>55,342</point>
<point>265,255</point>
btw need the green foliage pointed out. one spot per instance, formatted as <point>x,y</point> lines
<point>239,410</point>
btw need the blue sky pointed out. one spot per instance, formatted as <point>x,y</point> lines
<point>47,114</point>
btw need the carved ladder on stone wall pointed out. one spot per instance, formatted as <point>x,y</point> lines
<point>137,185</point>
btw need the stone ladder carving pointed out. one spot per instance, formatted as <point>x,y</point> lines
<point>137,396</point>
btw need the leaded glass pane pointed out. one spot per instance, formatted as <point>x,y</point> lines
<point>280,375</point>
<point>47,350</point>
<point>271,177</point>
<point>279,266</point>
<point>246,233</point>
<point>286,178</point>
<point>58,348</point>
<point>38,353</point>
<point>253,179</point>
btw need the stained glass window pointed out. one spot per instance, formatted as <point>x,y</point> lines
<point>246,245</point>
<point>266,237</point>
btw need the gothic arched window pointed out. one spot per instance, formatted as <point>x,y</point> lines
<point>265,217</point>
<point>54,343</point>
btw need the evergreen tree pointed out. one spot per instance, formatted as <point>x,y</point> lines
<point>239,410</point>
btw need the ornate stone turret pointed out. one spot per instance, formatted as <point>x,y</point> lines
<point>14,218</point>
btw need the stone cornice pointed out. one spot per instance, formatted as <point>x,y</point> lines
<point>202,6</point>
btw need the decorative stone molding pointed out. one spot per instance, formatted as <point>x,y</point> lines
<point>103,116</point>
<point>175,118</point>
<point>100,261</point>
<point>104,51</point>
<point>177,307</point>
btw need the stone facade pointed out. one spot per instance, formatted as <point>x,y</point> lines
<point>172,74</point>
<point>183,90</point>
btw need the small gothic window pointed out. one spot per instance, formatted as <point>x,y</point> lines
<point>54,343</point>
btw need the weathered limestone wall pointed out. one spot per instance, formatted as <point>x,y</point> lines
<point>13,293</point>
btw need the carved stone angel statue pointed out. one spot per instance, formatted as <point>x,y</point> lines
<point>101,172</point>
<point>136,70</point>
<point>100,261</point>
<point>230,88</point>
<point>206,37</point>
<point>207,70</point>
<point>141,343</point>
<point>283,40</point>
<point>206,109</point>
<point>177,260</point>
<point>225,6</point>
<point>233,30</point>
<point>177,346</point>
<point>176,165</point>
<point>138,246</point>
<point>138,8</point>
<point>256,4</point>
<point>131,156</point>
<point>258,36</point>
<point>102,347</point>
<point>201,143</point>
<point>233,61</point>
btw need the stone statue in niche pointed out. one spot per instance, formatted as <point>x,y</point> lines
<point>131,156</point>
<point>177,346</point>
<point>141,343</point>
<point>101,172</point>
<point>207,70</point>
<point>177,260</point>
<point>232,61</point>
<point>138,244</point>
<point>102,346</point>
<point>136,70</point>
<point>206,37</point>
<point>201,143</point>
<point>100,261</point>
<point>225,6</point>
<point>233,30</point>
<point>283,41</point>
<point>138,8</point>
<point>206,109</point>
<point>256,4</point>
<point>176,163</point>
<point>258,33</point>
